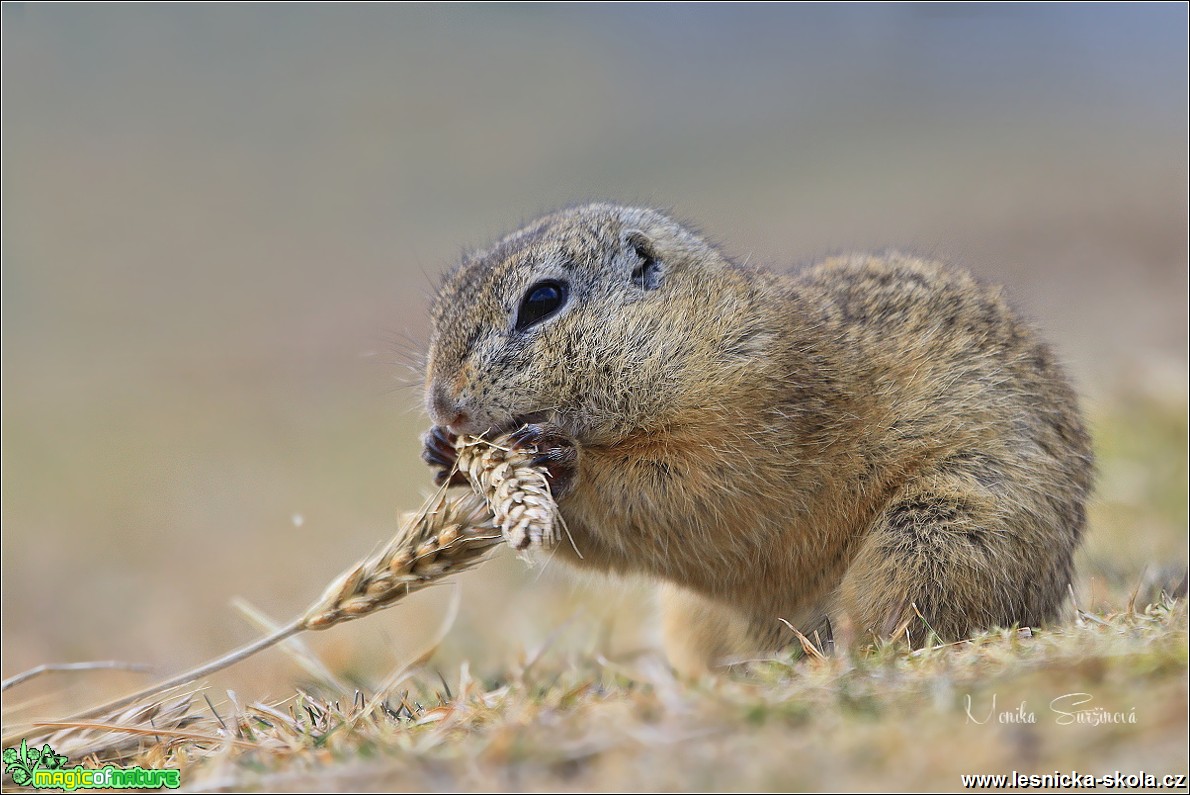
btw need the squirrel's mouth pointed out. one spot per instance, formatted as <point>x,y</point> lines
<point>516,422</point>
<point>513,423</point>
<point>471,427</point>
<point>532,418</point>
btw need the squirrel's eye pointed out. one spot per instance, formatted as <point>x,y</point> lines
<point>541,301</point>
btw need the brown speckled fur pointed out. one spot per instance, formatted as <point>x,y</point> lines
<point>871,439</point>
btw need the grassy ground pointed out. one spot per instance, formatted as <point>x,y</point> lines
<point>1103,691</point>
<point>1101,694</point>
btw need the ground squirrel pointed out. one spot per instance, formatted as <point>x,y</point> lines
<point>876,441</point>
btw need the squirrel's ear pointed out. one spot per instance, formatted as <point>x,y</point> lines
<point>646,270</point>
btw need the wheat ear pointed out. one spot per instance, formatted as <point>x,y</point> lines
<point>509,500</point>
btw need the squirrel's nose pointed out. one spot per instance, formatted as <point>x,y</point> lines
<point>445,411</point>
<point>460,424</point>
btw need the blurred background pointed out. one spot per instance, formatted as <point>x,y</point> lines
<point>222,225</point>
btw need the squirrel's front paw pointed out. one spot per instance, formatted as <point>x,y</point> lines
<point>438,450</point>
<point>552,449</point>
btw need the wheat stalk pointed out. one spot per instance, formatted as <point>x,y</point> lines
<point>446,537</point>
<point>509,501</point>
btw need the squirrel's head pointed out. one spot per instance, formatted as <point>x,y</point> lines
<point>594,318</point>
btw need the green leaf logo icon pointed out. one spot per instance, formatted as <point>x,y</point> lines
<point>22,763</point>
<point>51,760</point>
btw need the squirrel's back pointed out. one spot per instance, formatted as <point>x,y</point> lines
<point>949,365</point>
<point>969,410</point>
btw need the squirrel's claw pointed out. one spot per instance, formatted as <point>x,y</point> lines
<point>438,447</point>
<point>553,449</point>
<point>438,450</point>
